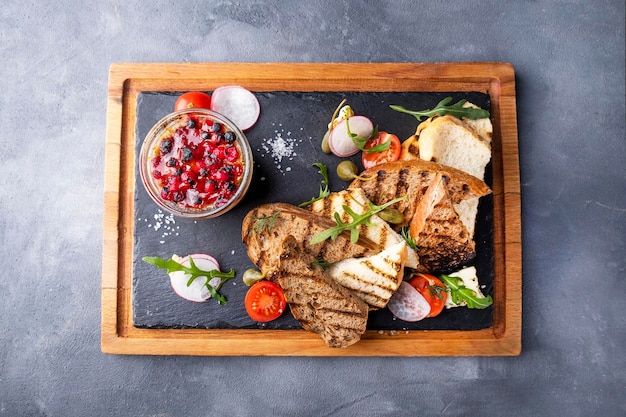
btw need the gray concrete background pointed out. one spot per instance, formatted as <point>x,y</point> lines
<point>569,60</point>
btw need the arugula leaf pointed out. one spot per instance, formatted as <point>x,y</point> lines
<point>324,190</point>
<point>361,142</point>
<point>170,265</point>
<point>442,108</point>
<point>353,226</point>
<point>460,293</point>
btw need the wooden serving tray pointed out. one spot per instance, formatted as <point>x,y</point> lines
<point>128,81</point>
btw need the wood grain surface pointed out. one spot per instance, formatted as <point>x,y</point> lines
<point>127,81</point>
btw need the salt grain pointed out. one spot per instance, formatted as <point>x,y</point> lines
<point>164,222</point>
<point>281,148</point>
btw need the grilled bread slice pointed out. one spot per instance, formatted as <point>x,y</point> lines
<point>442,239</point>
<point>426,205</point>
<point>320,305</point>
<point>411,179</point>
<point>375,278</point>
<point>378,231</point>
<point>265,228</point>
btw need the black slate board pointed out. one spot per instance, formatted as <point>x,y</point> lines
<point>297,120</point>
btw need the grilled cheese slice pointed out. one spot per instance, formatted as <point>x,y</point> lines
<point>374,278</point>
<point>378,231</point>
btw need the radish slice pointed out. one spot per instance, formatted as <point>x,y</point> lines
<point>197,291</point>
<point>340,142</point>
<point>237,104</point>
<point>408,304</point>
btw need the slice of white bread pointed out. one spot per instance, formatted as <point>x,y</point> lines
<point>482,127</point>
<point>448,142</point>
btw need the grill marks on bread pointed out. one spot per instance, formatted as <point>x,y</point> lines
<point>443,240</point>
<point>395,179</point>
<point>316,301</point>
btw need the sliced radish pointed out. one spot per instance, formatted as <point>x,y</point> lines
<point>408,304</point>
<point>196,291</point>
<point>340,142</point>
<point>237,104</point>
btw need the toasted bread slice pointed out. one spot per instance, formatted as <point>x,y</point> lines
<point>265,228</point>
<point>316,301</point>
<point>378,231</point>
<point>411,179</point>
<point>375,278</point>
<point>426,204</point>
<point>442,240</point>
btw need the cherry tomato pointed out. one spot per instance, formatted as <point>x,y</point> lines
<point>371,159</point>
<point>433,290</point>
<point>265,301</point>
<point>193,99</point>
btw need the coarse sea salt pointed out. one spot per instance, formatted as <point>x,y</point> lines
<point>281,148</point>
<point>164,223</point>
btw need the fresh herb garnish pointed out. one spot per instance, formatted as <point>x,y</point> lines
<point>404,232</point>
<point>170,265</point>
<point>461,294</point>
<point>353,226</point>
<point>442,108</point>
<point>321,263</point>
<point>264,223</point>
<point>437,291</point>
<point>324,190</point>
<point>361,142</point>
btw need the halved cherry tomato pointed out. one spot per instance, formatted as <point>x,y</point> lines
<point>265,301</point>
<point>433,290</point>
<point>193,100</point>
<point>371,159</point>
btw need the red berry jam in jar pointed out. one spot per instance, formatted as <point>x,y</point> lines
<point>196,163</point>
